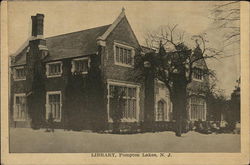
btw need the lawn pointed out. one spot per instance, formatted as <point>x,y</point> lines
<point>26,140</point>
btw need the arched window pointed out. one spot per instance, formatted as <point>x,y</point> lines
<point>160,111</point>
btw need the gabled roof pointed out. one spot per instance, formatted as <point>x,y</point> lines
<point>68,45</point>
<point>112,26</point>
<point>74,44</point>
<point>20,59</point>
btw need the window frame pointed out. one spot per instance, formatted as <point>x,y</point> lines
<point>48,69</point>
<point>128,85</point>
<point>15,73</point>
<point>124,47</point>
<point>47,104</point>
<point>73,68</point>
<point>162,93</point>
<point>194,72</point>
<point>163,110</point>
<point>14,107</point>
<point>204,109</point>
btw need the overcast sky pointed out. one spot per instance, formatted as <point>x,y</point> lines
<point>69,16</point>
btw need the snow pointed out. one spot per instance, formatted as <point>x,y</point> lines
<point>26,140</point>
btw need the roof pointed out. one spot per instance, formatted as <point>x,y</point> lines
<point>146,49</point>
<point>74,44</point>
<point>112,26</point>
<point>69,45</point>
<point>20,59</point>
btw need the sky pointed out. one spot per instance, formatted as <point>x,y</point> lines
<point>69,16</point>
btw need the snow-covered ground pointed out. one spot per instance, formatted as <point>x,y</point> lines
<point>28,140</point>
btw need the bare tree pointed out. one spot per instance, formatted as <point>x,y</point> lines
<point>174,63</point>
<point>226,16</point>
<point>216,100</point>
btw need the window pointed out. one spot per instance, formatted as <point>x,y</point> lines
<point>19,73</point>
<point>198,110</point>
<point>124,97</point>
<point>160,111</point>
<point>54,69</point>
<point>80,65</point>
<point>53,105</point>
<point>124,55</point>
<point>20,107</point>
<point>197,73</point>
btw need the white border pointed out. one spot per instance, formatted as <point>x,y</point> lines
<point>85,158</point>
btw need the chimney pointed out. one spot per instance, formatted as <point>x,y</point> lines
<point>37,25</point>
<point>36,52</point>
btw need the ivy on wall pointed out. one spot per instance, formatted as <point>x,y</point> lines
<point>84,108</point>
<point>35,101</point>
<point>83,98</point>
<point>75,101</point>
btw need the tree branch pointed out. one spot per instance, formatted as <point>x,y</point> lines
<point>227,4</point>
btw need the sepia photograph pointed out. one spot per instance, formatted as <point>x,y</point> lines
<point>107,77</point>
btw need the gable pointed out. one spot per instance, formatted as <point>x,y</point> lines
<point>85,42</point>
<point>201,64</point>
<point>124,33</point>
<point>20,58</point>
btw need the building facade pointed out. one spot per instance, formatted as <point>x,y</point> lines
<point>74,76</point>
